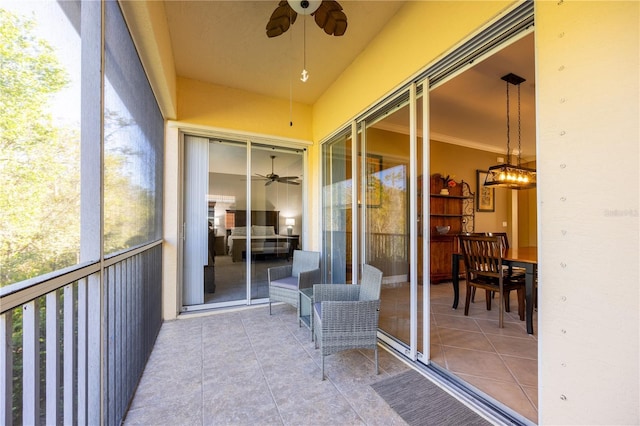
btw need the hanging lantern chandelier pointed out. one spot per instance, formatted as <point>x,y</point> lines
<point>511,175</point>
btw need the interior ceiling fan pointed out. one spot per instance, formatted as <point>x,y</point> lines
<point>328,15</point>
<point>272,177</point>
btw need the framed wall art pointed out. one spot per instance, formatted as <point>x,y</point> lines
<point>485,195</point>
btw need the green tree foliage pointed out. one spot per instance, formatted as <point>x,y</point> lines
<point>39,195</point>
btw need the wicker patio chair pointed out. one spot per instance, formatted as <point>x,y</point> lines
<point>286,281</point>
<point>346,316</point>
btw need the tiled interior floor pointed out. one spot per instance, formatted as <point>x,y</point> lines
<point>503,363</point>
<point>245,367</point>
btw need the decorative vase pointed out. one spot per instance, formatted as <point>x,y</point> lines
<point>444,191</point>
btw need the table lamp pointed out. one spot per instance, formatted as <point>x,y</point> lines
<point>289,222</point>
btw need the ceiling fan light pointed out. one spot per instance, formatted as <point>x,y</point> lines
<point>304,7</point>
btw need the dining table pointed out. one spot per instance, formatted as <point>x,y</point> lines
<point>521,257</point>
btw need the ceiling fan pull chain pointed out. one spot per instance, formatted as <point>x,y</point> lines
<point>305,74</point>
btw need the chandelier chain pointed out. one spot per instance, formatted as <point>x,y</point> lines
<point>519,131</point>
<point>508,129</point>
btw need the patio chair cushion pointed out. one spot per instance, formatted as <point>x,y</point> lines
<point>287,282</point>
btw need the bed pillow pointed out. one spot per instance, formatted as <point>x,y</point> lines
<point>262,231</point>
<point>239,231</point>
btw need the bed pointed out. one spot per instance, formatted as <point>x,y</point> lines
<point>265,240</point>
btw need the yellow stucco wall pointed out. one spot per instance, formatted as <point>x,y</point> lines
<point>223,107</point>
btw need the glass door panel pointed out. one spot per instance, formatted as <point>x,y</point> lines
<point>384,198</point>
<point>276,212</point>
<point>227,185</point>
<point>337,204</point>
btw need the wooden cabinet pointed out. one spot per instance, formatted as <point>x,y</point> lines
<point>455,210</point>
<point>219,246</point>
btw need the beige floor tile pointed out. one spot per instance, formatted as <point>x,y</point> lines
<point>522,347</point>
<point>509,394</point>
<point>464,339</point>
<point>457,322</point>
<point>532,393</point>
<point>477,363</point>
<point>525,370</point>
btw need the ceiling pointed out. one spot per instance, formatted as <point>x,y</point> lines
<point>225,43</point>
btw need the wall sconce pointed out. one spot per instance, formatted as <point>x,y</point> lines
<point>290,223</point>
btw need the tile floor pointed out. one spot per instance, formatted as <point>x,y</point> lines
<point>270,371</point>
<point>500,362</point>
<point>245,367</point>
<point>503,363</point>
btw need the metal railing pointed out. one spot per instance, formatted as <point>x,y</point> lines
<point>75,344</point>
<point>388,252</point>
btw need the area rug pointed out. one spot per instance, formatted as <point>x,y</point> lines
<point>420,402</point>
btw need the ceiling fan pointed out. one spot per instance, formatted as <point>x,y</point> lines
<point>272,177</point>
<point>328,15</point>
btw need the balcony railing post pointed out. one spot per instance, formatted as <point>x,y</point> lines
<point>6,367</point>
<point>52,358</point>
<point>69,354</point>
<point>30,363</point>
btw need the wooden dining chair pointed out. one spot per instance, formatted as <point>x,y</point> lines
<point>511,271</point>
<point>484,270</point>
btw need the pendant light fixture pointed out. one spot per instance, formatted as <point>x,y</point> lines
<point>509,175</point>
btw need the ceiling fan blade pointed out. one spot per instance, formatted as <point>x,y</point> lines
<point>267,183</point>
<point>281,19</point>
<point>289,182</point>
<point>287,177</point>
<point>331,18</point>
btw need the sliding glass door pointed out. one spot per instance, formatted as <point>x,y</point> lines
<point>243,213</point>
<point>337,215</point>
<point>384,161</point>
<point>226,192</point>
